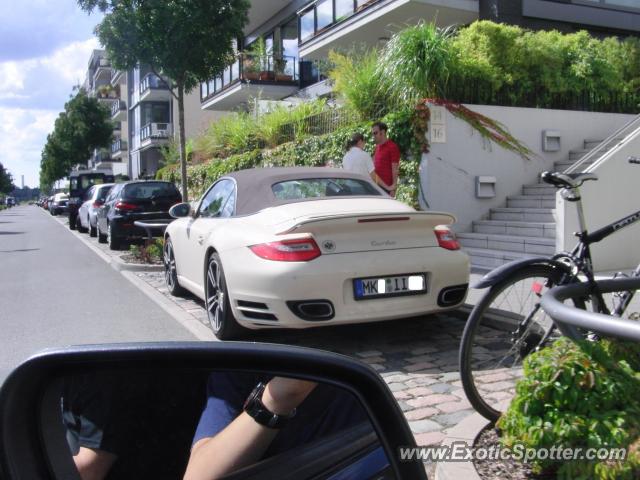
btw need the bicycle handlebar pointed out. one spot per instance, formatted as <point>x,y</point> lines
<point>607,325</point>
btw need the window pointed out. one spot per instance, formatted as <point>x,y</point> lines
<point>324,11</point>
<point>344,8</point>
<point>150,190</point>
<point>322,187</point>
<point>214,202</point>
<point>307,25</point>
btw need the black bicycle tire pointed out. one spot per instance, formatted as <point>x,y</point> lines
<point>466,343</point>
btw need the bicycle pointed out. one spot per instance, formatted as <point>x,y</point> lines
<point>507,324</point>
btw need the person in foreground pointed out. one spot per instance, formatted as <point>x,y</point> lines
<point>248,418</point>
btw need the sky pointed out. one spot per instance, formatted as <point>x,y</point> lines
<point>45,47</point>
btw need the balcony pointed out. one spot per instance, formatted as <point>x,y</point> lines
<point>117,77</point>
<point>102,75</point>
<point>155,134</point>
<point>100,156</point>
<point>270,77</point>
<point>119,149</point>
<point>340,24</point>
<point>119,111</point>
<point>154,89</point>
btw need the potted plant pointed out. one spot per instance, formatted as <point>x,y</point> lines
<point>279,67</point>
<point>261,56</point>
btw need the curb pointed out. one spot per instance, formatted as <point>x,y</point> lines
<point>465,432</point>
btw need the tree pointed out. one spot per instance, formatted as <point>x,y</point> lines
<point>84,125</point>
<point>6,181</point>
<point>185,41</point>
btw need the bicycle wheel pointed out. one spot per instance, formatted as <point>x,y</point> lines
<point>503,328</point>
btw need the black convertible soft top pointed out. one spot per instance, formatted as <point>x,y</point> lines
<point>254,191</point>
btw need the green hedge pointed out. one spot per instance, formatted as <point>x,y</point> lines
<point>324,150</point>
<point>585,396</point>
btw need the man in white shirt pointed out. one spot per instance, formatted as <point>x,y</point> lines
<point>358,161</point>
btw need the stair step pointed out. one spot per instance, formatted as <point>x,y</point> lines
<point>509,243</point>
<point>523,214</point>
<point>581,152</point>
<point>539,189</point>
<point>523,229</point>
<point>487,259</point>
<point>591,143</point>
<point>532,201</point>
<point>562,165</point>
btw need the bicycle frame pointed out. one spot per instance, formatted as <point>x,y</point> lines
<point>580,256</point>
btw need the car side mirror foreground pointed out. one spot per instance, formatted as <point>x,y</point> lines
<point>140,407</point>
<point>180,210</point>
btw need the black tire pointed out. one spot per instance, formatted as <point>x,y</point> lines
<point>112,240</point>
<point>93,231</point>
<point>73,222</point>
<point>170,271</point>
<point>102,238</point>
<point>79,226</point>
<point>498,336</point>
<point>217,303</point>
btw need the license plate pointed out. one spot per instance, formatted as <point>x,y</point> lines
<point>377,287</point>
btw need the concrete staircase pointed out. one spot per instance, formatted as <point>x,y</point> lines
<point>525,227</point>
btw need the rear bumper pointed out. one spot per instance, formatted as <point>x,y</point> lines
<point>258,287</point>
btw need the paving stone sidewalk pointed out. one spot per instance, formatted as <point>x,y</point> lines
<point>417,357</point>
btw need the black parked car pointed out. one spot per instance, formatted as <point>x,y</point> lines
<point>131,201</point>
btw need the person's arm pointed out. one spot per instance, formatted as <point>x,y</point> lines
<point>374,176</point>
<point>244,441</point>
<point>395,170</point>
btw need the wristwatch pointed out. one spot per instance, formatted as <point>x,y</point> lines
<point>255,408</point>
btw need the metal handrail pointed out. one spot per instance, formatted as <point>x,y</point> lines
<point>604,143</point>
<point>569,318</point>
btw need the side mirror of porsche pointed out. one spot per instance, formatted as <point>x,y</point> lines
<point>180,210</point>
<point>200,410</point>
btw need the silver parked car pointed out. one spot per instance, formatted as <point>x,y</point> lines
<point>93,200</point>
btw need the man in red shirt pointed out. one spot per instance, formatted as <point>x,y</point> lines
<point>386,158</point>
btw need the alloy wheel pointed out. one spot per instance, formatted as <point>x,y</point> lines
<point>169,266</point>
<point>215,296</point>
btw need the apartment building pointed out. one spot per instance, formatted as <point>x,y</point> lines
<point>298,34</point>
<point>142,110</point>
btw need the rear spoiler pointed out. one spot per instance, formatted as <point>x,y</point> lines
<point>435,218</point>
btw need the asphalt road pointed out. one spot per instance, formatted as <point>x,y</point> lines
<point>54,291</point>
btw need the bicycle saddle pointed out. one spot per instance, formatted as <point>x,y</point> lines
<point>566,180</point>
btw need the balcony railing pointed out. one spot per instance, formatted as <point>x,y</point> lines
<point>118,146</point>
<point>155,131</point>
<point>322,15</point>
<point>117,107</point>
<point>253,68</point>
<point>152,81</point>
<point>102,155</point>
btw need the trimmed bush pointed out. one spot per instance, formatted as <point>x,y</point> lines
<point>585,396</point>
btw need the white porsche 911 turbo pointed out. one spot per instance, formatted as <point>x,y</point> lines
<point>304,247</point>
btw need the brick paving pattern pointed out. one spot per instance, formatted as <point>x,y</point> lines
<point>417,357</point>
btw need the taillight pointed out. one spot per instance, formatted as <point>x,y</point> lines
<point>97,204</point>
<point>127,207</point>
<point>446,238</point>
<point>298,250</point>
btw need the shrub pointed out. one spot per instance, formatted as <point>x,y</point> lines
<point>585,396</point>
<point>149,252</point>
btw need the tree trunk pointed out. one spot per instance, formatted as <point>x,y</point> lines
<point>183,148</point>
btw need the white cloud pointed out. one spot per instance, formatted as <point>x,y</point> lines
<point>32,94</point>
<point>71,61</point>
<point>23,134</point>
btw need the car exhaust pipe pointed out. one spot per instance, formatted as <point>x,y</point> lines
<point>451,296</point>
<point>312,310</point>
